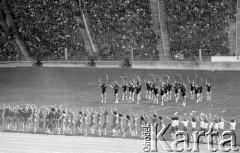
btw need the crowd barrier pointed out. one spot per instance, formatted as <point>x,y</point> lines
<point>181,65</point>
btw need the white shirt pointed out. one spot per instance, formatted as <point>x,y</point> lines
<point>221,125</point>
<point>216,125</point>
<point>210,125</point>
<point>185,123</point>
<point>232,125</point>
<point>177,122</point>
<point>193,124</point>
<point>206,125</point>
<point>201,124</point>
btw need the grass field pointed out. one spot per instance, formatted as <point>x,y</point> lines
<point>79,87</point>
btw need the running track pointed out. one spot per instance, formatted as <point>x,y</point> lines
<point>35,143</point>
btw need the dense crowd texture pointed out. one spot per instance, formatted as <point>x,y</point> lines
<point>7,50</point>
<point>122,26</point>
<point>48,26</point>
<point>199,24</point>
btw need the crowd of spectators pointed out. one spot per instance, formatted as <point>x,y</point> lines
<point>48,26</point>
<point>122,26</point>
<point>199,24</point>
<point>7,50</point>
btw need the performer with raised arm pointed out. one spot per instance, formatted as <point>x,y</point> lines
<point>104,87</point>
<point>232,124</point>
<point>184,96</point>
<point>165,88</point>
<point>155,90</point>
<point>221,128</point>
<point>84,124</point>
<point>176,88</point>
<point>79,121</point>
<point>174,125</point>
<point>192,119</point>
<point>200,92</point>
<point>133,125</point>
<point>133,89</point>
<point>151,97</point>
<point>148,89</point>
<point>209,94</point>
<point>114,121</point>
<point>162,95</point>
<point>169,90</point>
<point>192,88</point>
<point>130,86</point>
<point>202,127</point>
<point>125,124</point>
<point>97,120</point>
<point>104,121</point>
<point>197,92</point>
<point>90,116</point>
<point>124,86</point>
<point>115,87</point>
<point>63,118</point>
<point>138,91</point>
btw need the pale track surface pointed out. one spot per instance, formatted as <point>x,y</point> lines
<point>36,143</point>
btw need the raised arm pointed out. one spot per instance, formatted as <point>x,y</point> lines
<point>169,118</point>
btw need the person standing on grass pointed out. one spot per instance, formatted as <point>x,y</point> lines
<point>138,91</point>
<point>130,86</point>
<point>169,90</point>
<point>209,94</point>
<point>72,122</point>
<point>155,92</point>
<point>83,125</point>
<point>133,93</point>
<point>124,95</point>
<point>151,91</point>
<point>192,87</point>
<point>104,121</point>
<point>104,87</point>
<point>97,118</point>
<point>232,124</point>
<point>115,117</point>
<point>125,124</point>
<point>173,126</point>
<point>79,121</point>
<point>193,127</point>
<point>148,89</point>
<point>165,88</point>
<point>183,91</point>
<point>115,87</point>
<point>176,88</point>
<point>90,124</point>
<point>200,92</point>
<point>133,126</point>
<point>162,95</point>
<point>197,93</point>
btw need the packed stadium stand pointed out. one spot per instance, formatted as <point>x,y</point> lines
<point>47,27</point>
<point>123,25</point>
<point>200,24</point>
<point>7,50</point>
<point>119,27</point>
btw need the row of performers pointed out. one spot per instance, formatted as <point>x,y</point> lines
<point>154,91</point>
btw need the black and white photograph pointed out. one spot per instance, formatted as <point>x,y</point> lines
<point>119,76</point>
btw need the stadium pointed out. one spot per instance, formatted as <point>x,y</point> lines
<point>89,76</point>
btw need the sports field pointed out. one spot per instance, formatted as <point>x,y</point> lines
<point>79,87</point>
